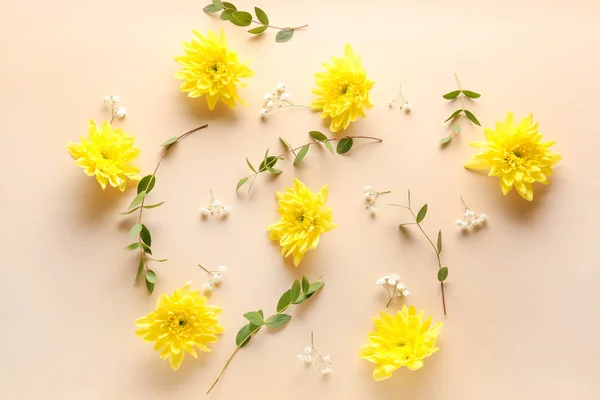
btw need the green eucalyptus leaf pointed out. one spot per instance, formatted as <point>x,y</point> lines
<point>132,246</point>
<point>261,15</point>
<point>445,140</point>
<point>301,154</point>
<point>155,205</point>
<point>314,287</point>
<point>456,128</point>
<point>284,301</point>
<point>226,15</point>
<point>145,235</point>
<point>278,320</point>
<point>451,95</point>
<point>146,248</point>
<point>243,336</point>
<point>146,184</point>
<point>269,161</point>
<point>454,114</point>
<point>328,146</point>
<point>138,199</point>
<point>295,290</point>
<point>210,9</point>
<point>149,286</point>
<point>422,213</point>
<point>302,298</point>
<point>470,94</point>
<point>218,3</point>
<point>140,268</point>
<point>305,284</point>
<point>318,136</point>
<point>274,170</point>
<point>241,18</point>
<point>174,138</point>
<point>439,242</point>
<point>344,145</point>
<point>130,211</point>
<point>442,274</point>
<point>284,35</point>
<point>258,30</point>
<point>229,6</point>
<point>286,144</point>
<point>240,183</point>
<point>135,230</point>
<point>255,318</point>
<point>472,117</point>
<point>250,165</point>
<point>150,276</point>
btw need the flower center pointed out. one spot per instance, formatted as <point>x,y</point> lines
<point>345,88</point>
<point>181,322</point>
<point>216,69</point>
<point>178,323</point>
<point>105,154</point>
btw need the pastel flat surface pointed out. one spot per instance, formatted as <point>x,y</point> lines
<point>522,294</point>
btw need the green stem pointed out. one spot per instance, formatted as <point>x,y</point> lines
<point>462,97</point>
<point>276,27</point>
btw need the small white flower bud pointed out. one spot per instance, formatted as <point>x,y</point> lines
<point>216,278</point>
<point>121,112</point>
<point>263,113</point>
<point>476,222</point>
<point>401,286</point>
<point>325,371</point>
<point>268,97</point>
<point>281,88</point>
<point>308,350</point>
<point>106,98</point>
<point>405,293</point>
<point>369,197</point>
<point>482,217</point>
<point>326,358</point>
<point>386,278</point>
<point>285,97</point>
<point>459,222</point>
<point>395,276</point>
<point>373,210</point>
<point>226,210</point>
<point>368,188</point>
<point>469,213</point>
<point>465,225</point>
<point>407,107</point>
<point>391,104</point>
<point>204,211</point>
<point>116,98</point>
<point>308,358</point>
<point>208,287</point>
<point>216,203</point>
<point>270,104</point>
<point>391,282</point>
<point>222,268</point>
<point>380,281</point>
<point>301,357</point>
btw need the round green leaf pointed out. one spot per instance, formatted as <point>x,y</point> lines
<point>138,199</point>
<point>229,6</point>
<point>446,140</point>
<point>135,230</point>
<point>284,35</point>
<point>241,18</point>
<point>211,8</point>
<point>344,145</point>
<point>278,320</point>
<point>442,274</point>
<point>145,235</point>
<point>146,184</point>
<point>226,15</point>
<point>456,128</point>
<point>258,30</point>
<point>243,336</point>
<point>284,301</point>
<point>150,276</point>
<point>317,135</point>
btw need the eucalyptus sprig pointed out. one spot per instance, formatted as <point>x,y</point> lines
<point>419,217</point>
<point>462,111</point>
<point>297,294</point>
<point>268,163</point>
<point>243,18</point>
<point>140,230</point>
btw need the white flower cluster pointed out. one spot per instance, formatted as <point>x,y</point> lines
<point>471,218</point>
<point>215,207</point>
<point>277,99</point>
<point>370,197</point>
<point>214,278</point>
<point>393,282</point>
<point>112,102</point>
<point>405,104</point>
<point>321,363</point>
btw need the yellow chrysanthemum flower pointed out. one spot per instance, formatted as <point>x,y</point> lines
<point>403,340</point>
<point>211,69</point>
<point>516,155</point>
<point>106,154</point>
<point>343,90</point>
<point>180,322</point>
<point>304,217</point>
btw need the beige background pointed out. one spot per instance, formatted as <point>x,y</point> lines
<point>523,308</point>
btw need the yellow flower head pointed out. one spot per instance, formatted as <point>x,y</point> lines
<point>304,217</point>
<point>210,68</point>
<point>403,340</point>
<point>516,155</point>
<point>106,154</point>
<point>180,322</point>
<point>343,90</point>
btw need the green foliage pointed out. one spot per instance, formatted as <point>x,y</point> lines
<point>442,274</point>
<point>344,145</point>
<point>470,115</point>
<point>451,95</point>
<point>454,114</point>
<point>421,214</point>
<point>174,138</point>
<point>284,35</point>
<point>258,30</point>
<point>278,320</point>
<point>146,184</point>
<point>439,242</point>
<point>302,153</point>
<point>261,15</point>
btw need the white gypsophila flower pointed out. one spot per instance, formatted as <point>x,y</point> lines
<point>106,98</point>
<point>391,282</point>
<point>395,276</point>
<point>226,210</point>
<point>208,287</point>
<point>308,350</point>
<point>407,107</point>
<point>373,210</point>
<point>285,97</point>
<point>263,112</point>
<point>270,105</point>
<point>281,88</point>
<point>368,188</point>
<point>483,217</point>
<point>380,281</point>
<point>401,286</point>
<point>204,211</point>
<point>268,97</point>
<point>405,293</point>
<point>216,278</point>
<point>116,98</point>
<point>121,112</point>
<point>222,268</point>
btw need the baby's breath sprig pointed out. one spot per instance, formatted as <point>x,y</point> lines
<point>462,111</point>
<point>277,100</point>
<point>419,217</point>
<point>393,287</point>
<point>214,278</point>
<point>215,207</point>
<point>470,218</point>
<point>321,363</point>
<point>140,230</point>
<point>406,106</point>
<point>371,197</point>
<point>242,18</point>
<point>268,163</point>
<point>115,110</point>
<point>297,294</point>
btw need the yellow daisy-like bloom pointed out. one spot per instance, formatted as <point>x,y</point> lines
<point>107,153</point>
<point>516,154</point>
<point>403,340</point>
<point>211,69</point>
<point>343,90</point>
<point>180,322</point>
<point>304,217</point>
